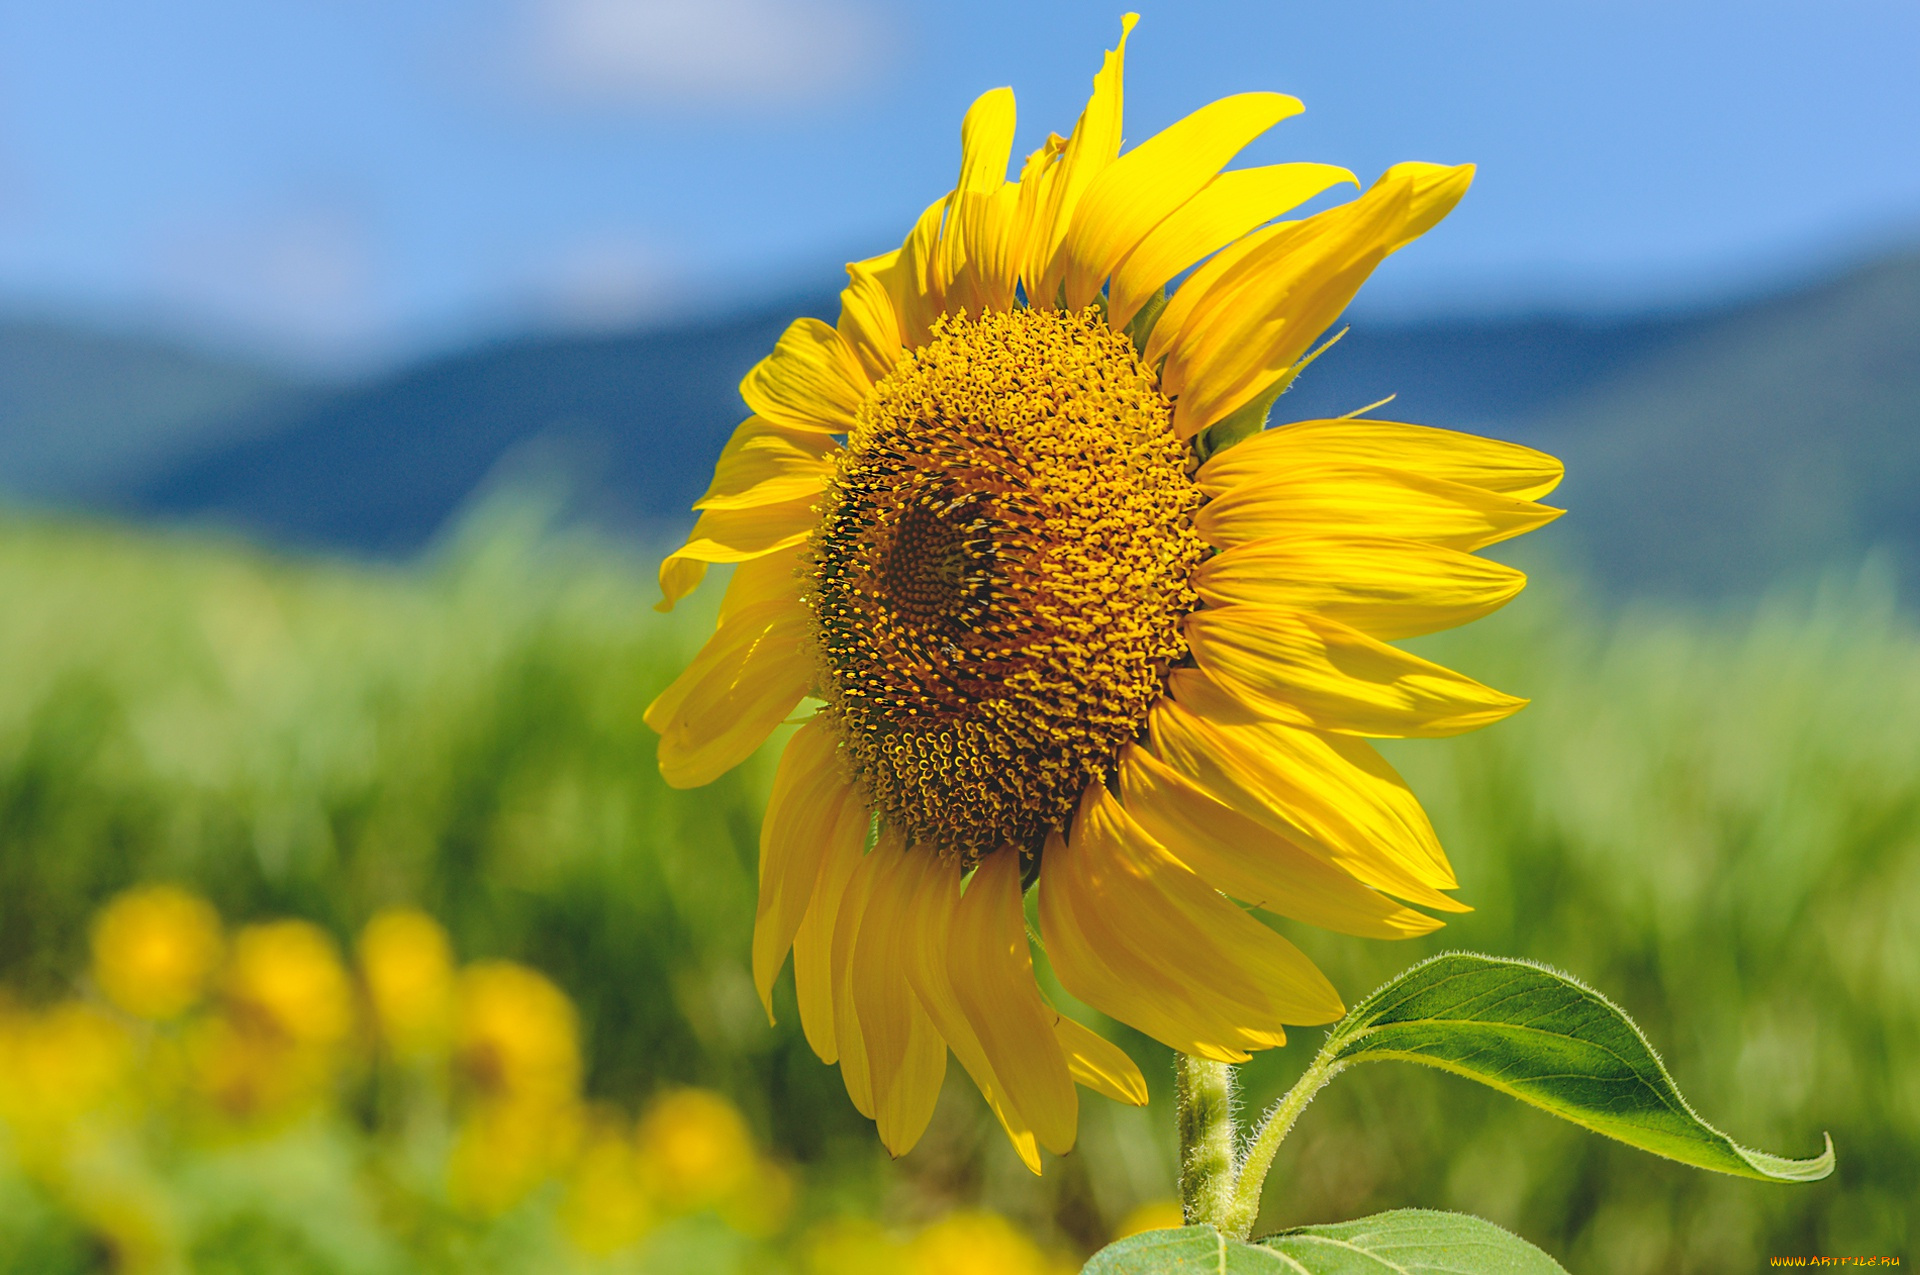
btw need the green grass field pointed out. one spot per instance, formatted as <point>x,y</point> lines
<point>1715,819</point>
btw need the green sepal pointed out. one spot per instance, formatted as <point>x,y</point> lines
<point>1251,417</point>
<point>1242,422</point>
<point>1139,328</point>
<point>1542,1037</point>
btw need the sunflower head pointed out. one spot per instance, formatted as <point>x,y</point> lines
<point>999,574</point>
<point>1062,629</point>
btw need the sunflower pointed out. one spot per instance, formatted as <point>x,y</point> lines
<point>1071,620</point>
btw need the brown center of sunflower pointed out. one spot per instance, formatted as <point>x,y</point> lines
<point>1000,573</point>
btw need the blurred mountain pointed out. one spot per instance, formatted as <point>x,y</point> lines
<point>1709,451</point>
<point>83,413</point>
<point>1774,441</point>
<point>630,423</point>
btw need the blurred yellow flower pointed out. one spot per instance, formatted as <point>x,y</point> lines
<point>70,1091</point>
<point>286,1011</point>
<point>505,1150</point>
<point>1154,1215</point>
<point>607,1206</point>
<point>516,1058</point>
<point>59,1065</point>
<point>978,1244</point>
<point>851,1246</point>
<point>155,948</point>
<point>285,977</point>
<point>407,961</point>
<point>762,1205</point>
<point>516,1037</point>
<point>695,1149</point>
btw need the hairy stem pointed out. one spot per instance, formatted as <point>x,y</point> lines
<point>1244,1206</point>
<point>1207,1168</point>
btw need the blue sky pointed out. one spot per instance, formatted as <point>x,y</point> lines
<point>341,181</point>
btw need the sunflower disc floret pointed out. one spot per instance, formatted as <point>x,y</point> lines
<point>1002,565</point>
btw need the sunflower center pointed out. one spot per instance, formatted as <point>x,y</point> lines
<point>1000,573</point>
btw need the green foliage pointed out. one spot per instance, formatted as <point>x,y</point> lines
<point>1414,1241</point>
<point>1715,818</point>
<point>1190,1250</point>
<point>1541,1037</point>
<point>1514,1026</point>
<point>1403,1242</point>
<point>317,741</point>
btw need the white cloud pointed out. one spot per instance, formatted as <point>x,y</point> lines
<point>300,277</point>
<point>706,52</point>
<point>606,281</point>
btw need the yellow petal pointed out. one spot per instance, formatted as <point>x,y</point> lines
<point>1099,1064</point>
<point>915,281</point>
<point>810,793</point>
<point>1235,854</point>
<point>767,464</point>
<point>773,578</point>
<point>986,142</point>
<point>1367,500</point>
<point>1307,671</point>
<point>813,970</point>
<point>906,1057</point>
<point>1254,323</point>
<point>741,685</point>
<point>678,577</point>
<point>1223,274</point>
<point>970,265</point>
<point>1328,794</point>
<point>1384,587</point>
<point>1225,208</point>
<point>1467,459</point>
<point>734,535</point>
<point>811,381</point>
<point>936,897</point>
<point>1094,144</point>
<point>1028,241</point>
<point>1133,194</point>
<point>1135,933</point>
<point>1091,961</point>
<point>992,972</point>
<point>840,960</point>
<point>868,322</point>
<point>988,228</point>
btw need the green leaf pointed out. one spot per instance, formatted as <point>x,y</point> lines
<point>1186,1250</point>
<point>1411,1240</point>
<point>1408,1241</point>
<point>1547,1040</point>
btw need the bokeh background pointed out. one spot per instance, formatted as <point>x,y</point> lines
<point>357,359</point>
